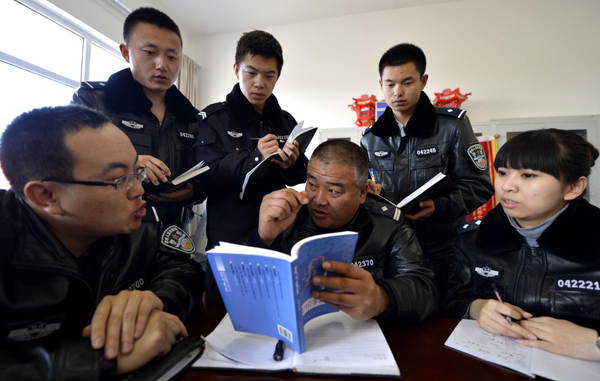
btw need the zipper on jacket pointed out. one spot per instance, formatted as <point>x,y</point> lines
<point>516,287</point>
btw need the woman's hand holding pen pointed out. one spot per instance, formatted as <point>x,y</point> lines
<point>491,315</point>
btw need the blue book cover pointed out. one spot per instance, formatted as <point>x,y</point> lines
<point>268,292</point>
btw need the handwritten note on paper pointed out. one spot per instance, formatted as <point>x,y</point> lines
<point>469,338</point>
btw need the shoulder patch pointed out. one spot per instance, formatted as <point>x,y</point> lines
<point>476,154</point>
<point>467,227</point>
<point>93,85</point>
<point>175,238</point>
<point>454,112</point>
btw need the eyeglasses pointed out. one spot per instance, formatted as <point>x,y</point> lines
<point>122,183</point>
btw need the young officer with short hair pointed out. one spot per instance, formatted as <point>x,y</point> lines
<point>412,141</point>
<point>237,134</point>
<point>143,102</point>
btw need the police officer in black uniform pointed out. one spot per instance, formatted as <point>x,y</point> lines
<point>237,134</point>
<point>412,141</point>
<point>530,269</point>
<point>388,278</point>
<point>142,100</point>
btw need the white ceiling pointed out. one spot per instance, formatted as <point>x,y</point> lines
<point>201,17</point>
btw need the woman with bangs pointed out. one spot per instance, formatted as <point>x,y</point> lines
<point>531,268</point>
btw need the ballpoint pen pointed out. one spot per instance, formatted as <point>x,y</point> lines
<point>508,318</point>
<point>279,347</point>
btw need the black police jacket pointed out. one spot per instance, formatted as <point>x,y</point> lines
<point>389,250</point>
<point>437,140</point>
<point>47,295</point>
<point>123,100</point>
<point>560,278</point>
<point>227,142</point>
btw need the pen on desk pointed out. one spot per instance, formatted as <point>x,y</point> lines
<point>508,318</point>
<point>279,347</point>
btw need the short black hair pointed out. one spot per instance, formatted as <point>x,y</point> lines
<point>150,16</point>
<point>344,152</point>
<point>559,153</point>
<point>403,53</point>
<point>259,43</point>
<point>33,145</point>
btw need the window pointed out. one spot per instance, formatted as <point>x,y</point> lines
<point>46,56</point>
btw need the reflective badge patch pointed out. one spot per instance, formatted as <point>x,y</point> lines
<point>578,284</point>
<point>235,134</point>
<point>175,238</point>
<point>477,156</point>
<point>487,272</point>
<point>364,262</point>
<point>381,153</point>
<point>132,124</point>
<point>34,331</point>
<point>427,151</point>
<point>186,135</point>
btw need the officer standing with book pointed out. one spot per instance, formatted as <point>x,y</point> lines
<point>143,102</point>
<point>413,141</point>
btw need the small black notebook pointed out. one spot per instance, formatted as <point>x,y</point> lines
<point>168,367</point>
<point>177,183</point>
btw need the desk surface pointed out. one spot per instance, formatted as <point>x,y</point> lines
<point>419,351</point>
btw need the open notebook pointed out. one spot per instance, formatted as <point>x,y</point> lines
<point>469,338</point>
<point>336,344</point>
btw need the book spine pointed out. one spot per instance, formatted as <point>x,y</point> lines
<point>299,321</point>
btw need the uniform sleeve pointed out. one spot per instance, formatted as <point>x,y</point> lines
<point>69,359</point>
<point>470,177</point>
<point>407,280</point>
<point>459,294</point>
<point>178,280</point>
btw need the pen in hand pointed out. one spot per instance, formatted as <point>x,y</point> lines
<point>508,318</point>
<point>279,347</point>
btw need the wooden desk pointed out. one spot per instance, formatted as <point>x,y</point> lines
<point>419,351</point>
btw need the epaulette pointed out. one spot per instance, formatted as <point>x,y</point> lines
<point>368,129</point>
<point>383,209</point>
<point>448,111</point>
<point>468,226</point>
<point>93,85</point>
<point>210,109</point>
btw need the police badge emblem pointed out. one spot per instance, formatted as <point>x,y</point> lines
<point>235,134</point>
<point>381,153</point>
<point>175,238</point>
<point>477,156</point>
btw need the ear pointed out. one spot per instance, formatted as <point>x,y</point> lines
<point>124,51</point>
<point>44,196</point>
<point>381,84</point>
<point>424,79</point>
<point>236,70</point>
<point>576,189</point>
<point>363,193</point>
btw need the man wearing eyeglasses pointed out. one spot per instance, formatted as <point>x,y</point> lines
<point>86,289</point>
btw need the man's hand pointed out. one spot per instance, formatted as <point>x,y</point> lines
<point>268,145</point>
<point>373,187</point>
<point>361,297</point>
<point>156,169</point>
<point>562,337</point>
<point>158,339</point>
<point>427,209</point>
<point>185,193</point>
<point>289,154</point>
<point>491,315</point>
<point>119,319</point>
<point>278,211</point>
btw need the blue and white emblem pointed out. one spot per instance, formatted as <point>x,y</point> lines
<point>477,156</point>
<point>235,134</point>
<point>381,154</point>
<point>487,272</point>
<point>132,124</point>
<point>175,238</point>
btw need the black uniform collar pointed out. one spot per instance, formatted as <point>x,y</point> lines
<point>569,236</point>
<point>125,94</point>
<point>245,114</point>
<point>421,124</point>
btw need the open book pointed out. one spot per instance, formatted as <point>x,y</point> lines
<point>469,338</point>
<point>303,135</point>
<point>268,292</point>
<point>336,344</point>
<point>179,181</point>
<point>410,204</point>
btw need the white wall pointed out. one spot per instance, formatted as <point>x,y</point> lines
<point>519,58</point>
